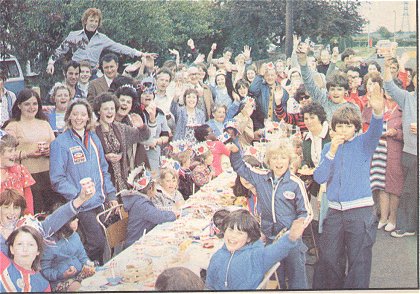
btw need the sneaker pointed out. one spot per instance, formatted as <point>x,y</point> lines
<point>381,225</point>
<point>401,233</point>
<point>389,227</point>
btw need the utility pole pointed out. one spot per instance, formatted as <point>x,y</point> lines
<point>289,28</point>
<point>405,20</point>
<point>395,23</point>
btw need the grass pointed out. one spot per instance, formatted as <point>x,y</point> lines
<point>364,52</point>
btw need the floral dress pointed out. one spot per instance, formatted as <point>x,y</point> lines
<point>19,178</point>
<point>113,145</point>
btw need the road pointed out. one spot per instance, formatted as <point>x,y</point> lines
<point>394,263</point>
<point>412,63</point>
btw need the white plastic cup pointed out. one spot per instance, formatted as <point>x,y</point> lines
<point>88,184</point>
<point>42,146</point>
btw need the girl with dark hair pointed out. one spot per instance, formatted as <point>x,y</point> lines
<point>153,116</point>
<point>21,265</point>
<point>65,263</point>
<point>128,101</point>
<point>244,188</point>
<point>178,279</point>
<point>243,260</point>
<point>188,116</point>
<point>315,119</point>
<point>34,146</point>
<point>143,215</point>
<point>116,137</point>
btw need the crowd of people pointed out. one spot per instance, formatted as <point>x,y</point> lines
<point>148,137</point>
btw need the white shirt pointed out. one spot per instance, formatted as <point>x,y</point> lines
<point>316,143</point>
<point>5,105</point>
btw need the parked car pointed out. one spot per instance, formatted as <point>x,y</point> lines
<point>15,81</point>
<point>385,47</point>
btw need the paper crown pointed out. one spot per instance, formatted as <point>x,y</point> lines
<point>232,124</point>
<point>139,177</point>
<point>127,86</point>
<point>270,65</point>
<point>33,221</point>
<point>148,85</point>
<point>225,137</point>
<point>180,146</point>
<point>220,72</point>
<point>200,148</point>
<point>169,163</point>
<point>249,100</point>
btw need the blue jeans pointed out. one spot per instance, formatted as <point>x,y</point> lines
<point>347,236</point>
<point>407,217</point>
<point>293,268</point>
<point>93,233</point>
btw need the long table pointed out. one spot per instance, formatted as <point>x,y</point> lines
<point>183,242</point>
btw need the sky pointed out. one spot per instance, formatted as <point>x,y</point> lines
<point>381,13</point>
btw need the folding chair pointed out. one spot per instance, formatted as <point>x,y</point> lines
<point>266,283</point>
<point>115,230</point>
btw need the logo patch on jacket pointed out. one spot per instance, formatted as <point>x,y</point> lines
<point>289,195</point>
<point>77,154</point>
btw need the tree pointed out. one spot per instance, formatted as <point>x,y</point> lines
<point>384,32</point>
<point>289,28</point>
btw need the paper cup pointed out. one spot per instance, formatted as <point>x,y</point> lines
<point>88,184</point>
<point>42,146</point>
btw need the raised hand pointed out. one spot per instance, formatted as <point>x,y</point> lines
<point>278,95</point>
<point>200,59</point>
<point>133,67</point>
<point>136,120</point>
<point>335,54</point>
<point>213,46</point>
<point>377,100</point>
<point>190,43</point>
<point>296,40</point>
<point>402,61</point>
<point>50,68</point>
<point>247,52</point>
<point>174,52</point>
<point>151,110</point>
<point>301,52</point>
<point>153,55</point>
<point>211,70</point>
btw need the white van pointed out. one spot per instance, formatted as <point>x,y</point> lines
<point>15,79</point>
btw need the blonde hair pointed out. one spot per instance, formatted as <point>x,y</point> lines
<point>164,171</point>
<point>90,125</point>
<point>282,146</point>
<point>59,86</point>
<point>182,157</point>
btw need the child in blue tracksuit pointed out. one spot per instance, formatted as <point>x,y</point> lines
<point>243,260</point>
<point>142,213</point>
<point>282,198</point>
<point>349,229</point>
<point>65,263</point>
